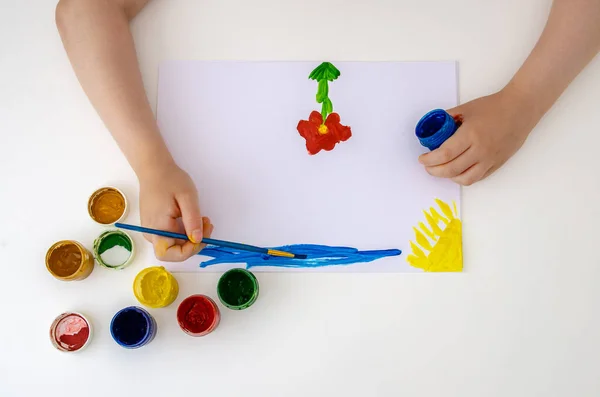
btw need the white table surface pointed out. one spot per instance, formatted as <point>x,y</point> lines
<point>523,320</point>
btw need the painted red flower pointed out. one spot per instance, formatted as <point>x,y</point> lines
<point>323,136</point>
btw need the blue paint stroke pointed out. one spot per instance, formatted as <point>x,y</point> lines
<point>317,256</point>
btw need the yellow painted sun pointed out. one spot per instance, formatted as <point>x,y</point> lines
<point>438,246</point>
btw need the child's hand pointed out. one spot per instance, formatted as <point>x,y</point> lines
<point>166,194</point>
<point>494,128</point>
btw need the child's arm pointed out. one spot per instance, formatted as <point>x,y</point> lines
<point>96,36</point>
<point>496,126</point>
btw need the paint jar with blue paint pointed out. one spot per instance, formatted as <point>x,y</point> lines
<point>133,327</point>
<point>435,128</point>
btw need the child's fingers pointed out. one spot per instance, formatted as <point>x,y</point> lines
<point>207,229</point>
<point>456,145</point>
<point>177,252</point>
<point>190,215</point>
<point>161,245</point>
<point>471,175</point>
<point>180,252</point>
<point>454,167</point>
<point>490,171</point>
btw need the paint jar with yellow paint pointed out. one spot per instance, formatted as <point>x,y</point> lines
<point>68,260</point>
<point>107,206</point>
<point>155,287</point>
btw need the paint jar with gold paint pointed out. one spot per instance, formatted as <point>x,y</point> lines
<point>107,206</point>
<point>68,260</point>
<point>155,287</point>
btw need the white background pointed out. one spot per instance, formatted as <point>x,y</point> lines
<point>523,320</point>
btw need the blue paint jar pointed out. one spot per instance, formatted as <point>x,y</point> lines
<point>133,327</point>
<point>435,128</point>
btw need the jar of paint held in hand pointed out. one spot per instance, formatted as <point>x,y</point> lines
<point>435,127</point>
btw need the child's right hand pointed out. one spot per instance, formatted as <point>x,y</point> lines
<point>167,193</point>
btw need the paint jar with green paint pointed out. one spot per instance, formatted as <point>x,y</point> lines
<point>114,249</point>
<point>237,289</point>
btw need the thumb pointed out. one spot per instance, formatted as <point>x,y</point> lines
<point>191,217</point>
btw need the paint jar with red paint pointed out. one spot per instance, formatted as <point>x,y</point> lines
<point>198,315</point>
<point>70,332</point>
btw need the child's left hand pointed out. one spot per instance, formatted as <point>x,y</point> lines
<point>494,128</point>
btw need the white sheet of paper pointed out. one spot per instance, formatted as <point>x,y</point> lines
<point>232,126</point>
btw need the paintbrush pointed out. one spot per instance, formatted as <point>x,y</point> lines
<point>211,241</point>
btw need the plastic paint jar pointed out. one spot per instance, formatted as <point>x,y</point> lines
<point>198,315</point>
<point>70,332</point>
<point>155,287</point>
<point>68,260</point>
<point>114,249</point>
<point>435,127</point>
<point>133,327</point>
<point>107,205</point>
<point>237,289</point>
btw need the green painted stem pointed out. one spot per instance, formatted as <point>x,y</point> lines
<point>324,73</point>
<point>323,91</point>
<point>323,98</point>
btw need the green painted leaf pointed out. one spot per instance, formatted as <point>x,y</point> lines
<point>326,109</point>
<point>327,106</point>
<point>325,71</point>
